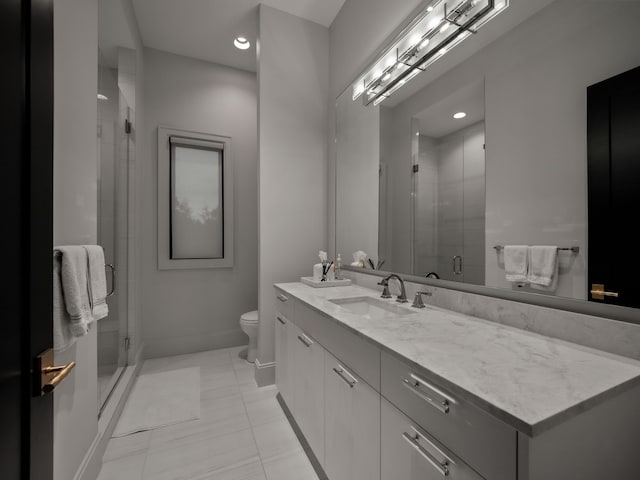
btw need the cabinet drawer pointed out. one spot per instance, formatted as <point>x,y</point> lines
<point>284,303</point>
<point>352,424</point>
<point>356,353</point>
<point>482,441</point>
<point>410,453</point>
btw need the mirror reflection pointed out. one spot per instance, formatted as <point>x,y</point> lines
<point>432,195</point>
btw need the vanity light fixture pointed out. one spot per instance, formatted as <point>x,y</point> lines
<point>439,27</point>
<point>242,43</point>
<point>459,115</point>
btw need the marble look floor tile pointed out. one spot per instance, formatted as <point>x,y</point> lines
<point>126,468</point>
<point>238,354</point>
<point>217,376</point>
<point>245,374</point>
<point>275,439</point>
<point>200,455</point>
<point>293,466</point>
<point>251,471</point>
<point>221,413</point>
<point>262,406</point>
<point>126,446</point>
<point>154,365</point>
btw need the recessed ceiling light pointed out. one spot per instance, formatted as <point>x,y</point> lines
<point>459,115</point>
<point>102,97</point>
<point>242,43</point>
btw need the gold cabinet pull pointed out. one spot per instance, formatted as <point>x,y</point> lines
<point>598,292</point>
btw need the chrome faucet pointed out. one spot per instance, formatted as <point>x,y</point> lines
<point>402,298</point>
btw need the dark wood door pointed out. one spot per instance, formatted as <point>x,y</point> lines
<point>613,131</point>
<point>26,127</point>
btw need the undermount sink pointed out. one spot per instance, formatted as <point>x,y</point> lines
<point>371,307</point>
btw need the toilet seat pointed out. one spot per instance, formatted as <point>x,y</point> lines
<point>249,317</point>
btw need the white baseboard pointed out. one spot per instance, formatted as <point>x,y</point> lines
<point>92,462</point>
<point>265,373</point>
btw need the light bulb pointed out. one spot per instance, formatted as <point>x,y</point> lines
<point>459,115</point>
<point>242,43</point>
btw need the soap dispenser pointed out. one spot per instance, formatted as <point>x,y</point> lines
<point>337,268</point>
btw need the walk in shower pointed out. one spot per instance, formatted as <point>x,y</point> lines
<point>116,98</point>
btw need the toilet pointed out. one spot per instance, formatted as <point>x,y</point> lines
<point>249,325</point>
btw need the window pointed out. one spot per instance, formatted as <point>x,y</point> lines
<point>195,211</point>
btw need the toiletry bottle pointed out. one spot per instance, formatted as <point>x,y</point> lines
<point>337,267</point>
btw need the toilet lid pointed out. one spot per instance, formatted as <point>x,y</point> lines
<point>250,317</point>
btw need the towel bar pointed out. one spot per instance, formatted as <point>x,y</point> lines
<point>57,253</point>
<point>572,249</point>
<point>113,278</point>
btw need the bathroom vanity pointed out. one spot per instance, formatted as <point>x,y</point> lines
<point>381,390</point>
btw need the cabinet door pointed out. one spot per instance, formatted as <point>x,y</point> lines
<point>308,389</point>
<point>284,372</point>
<point>352,425</point>
<point>409,453</point>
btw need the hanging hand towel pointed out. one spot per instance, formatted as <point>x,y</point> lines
<point>543,266</point>
<point>62,336</point>
<point>516,263</point>
<point>73,276</point>
<point>97,281</point>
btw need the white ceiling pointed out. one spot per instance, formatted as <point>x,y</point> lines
<point>205,29</point>
<point>113,31</point>
<point>437,120</point>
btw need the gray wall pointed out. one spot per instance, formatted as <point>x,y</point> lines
<point>535,77</point>
<point>75,418</point>
<point>197,309</point>
<point>355,35</point>
<point>357,180</point>
<point>293,71</point>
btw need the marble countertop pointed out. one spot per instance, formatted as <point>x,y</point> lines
<point>529,381</point>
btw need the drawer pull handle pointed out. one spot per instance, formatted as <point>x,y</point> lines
<point>283,298</point>
<point>416,383</point>
<point>281,320</point>
<point>305,340</point>
<point>342,373</point>
<point>414,441</point>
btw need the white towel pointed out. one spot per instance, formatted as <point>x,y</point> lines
<point>516,263</point>
<point>97,281</point>
<point>543,265</point>
<point>73,278</point>
<point>62,336</point>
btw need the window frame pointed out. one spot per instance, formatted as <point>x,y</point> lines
<point>186,138</point>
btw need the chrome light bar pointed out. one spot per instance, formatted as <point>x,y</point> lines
<point>438,28</point>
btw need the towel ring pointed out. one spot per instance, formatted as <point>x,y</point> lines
<point>113,278</point>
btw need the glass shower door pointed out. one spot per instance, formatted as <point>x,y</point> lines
<point>114,149</point>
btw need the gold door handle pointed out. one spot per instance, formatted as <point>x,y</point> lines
<point>598,292</point>
<point>48,376</point>
<point>60,371</point>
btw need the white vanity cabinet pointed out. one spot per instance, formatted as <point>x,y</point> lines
<point>284,352</point>
<point>371,410</point>
<point>352,424</point>
<point>284,372</point>
<point>410,453</point>
<point>308,387</point>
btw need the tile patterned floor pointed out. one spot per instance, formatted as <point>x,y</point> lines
<point>242,432</point>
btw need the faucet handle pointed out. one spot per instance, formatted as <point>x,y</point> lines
<point>385,290</point>
<point>417,300</point>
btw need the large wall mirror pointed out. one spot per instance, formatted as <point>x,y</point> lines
<point>431,193</point>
